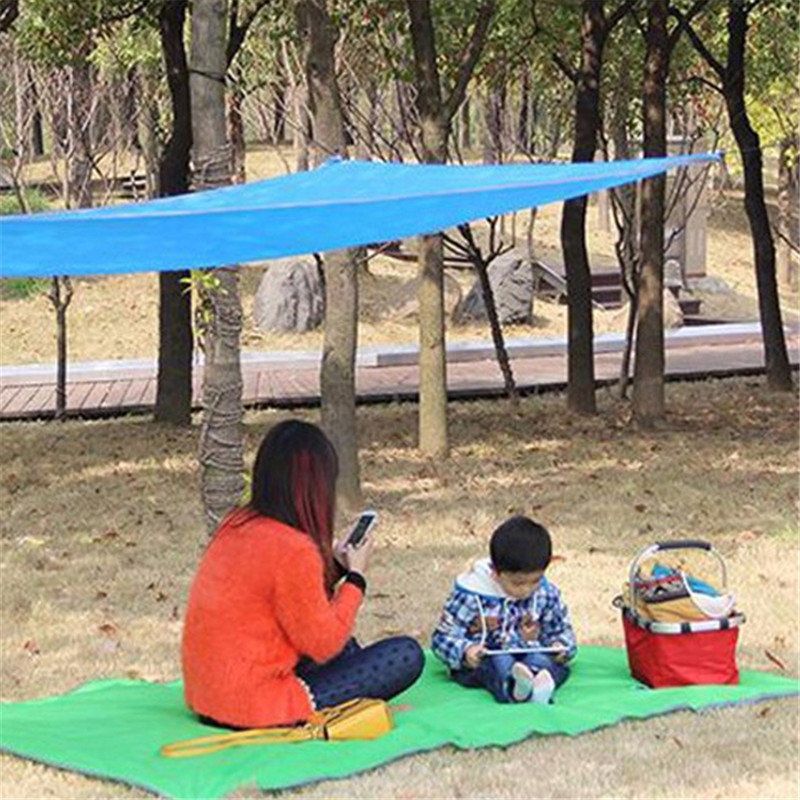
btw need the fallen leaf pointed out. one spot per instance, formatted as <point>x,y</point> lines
<point>764,711</point>
<point>640,507</point>
<point>775,660</point>
<point>108,628</point>
<point>101,595</point>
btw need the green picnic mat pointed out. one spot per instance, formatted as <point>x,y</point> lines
<point>114,728</point>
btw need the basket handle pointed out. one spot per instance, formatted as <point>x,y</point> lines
<point>683,544</point>
<point>674,544</point>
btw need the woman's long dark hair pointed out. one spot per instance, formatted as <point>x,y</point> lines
<point>294,482</point>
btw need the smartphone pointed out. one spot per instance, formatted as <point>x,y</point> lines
<point>364,524</point>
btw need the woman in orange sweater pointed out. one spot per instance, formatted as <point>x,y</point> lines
<point>267,635</point>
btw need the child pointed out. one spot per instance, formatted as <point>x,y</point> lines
<point>503,603</point>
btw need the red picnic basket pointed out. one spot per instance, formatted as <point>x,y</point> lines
<point>679,653</point>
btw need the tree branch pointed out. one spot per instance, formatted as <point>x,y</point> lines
<point>237,31</point>
<point>697,42</point>
<point>696,9</point>
<point>9,11</point>
<point>569,71</point>
<point>470,58</point>
<point>617,16</point>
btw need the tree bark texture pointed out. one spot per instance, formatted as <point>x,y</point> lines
<point>433,438</point>
<point>580,355</point>
<point>337,376</point>
<point>221,457</point>
<point>175,340</point>
<point>648,377</point>
<point>747,139</point>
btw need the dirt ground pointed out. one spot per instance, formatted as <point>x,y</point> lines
<point>101,531</point>
<point>117,317</point>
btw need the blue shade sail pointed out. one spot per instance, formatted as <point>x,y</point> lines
<point>340,204</point>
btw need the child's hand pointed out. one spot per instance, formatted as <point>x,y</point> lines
<point>473,655</point>
<point>529,629</point>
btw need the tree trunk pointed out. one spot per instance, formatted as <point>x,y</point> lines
<point>79,131</point>
<point>580,355</point>
<point>747,139</point>
<point>221,456</point>
<point>436,116</point>
<point>788,183</point>
<point>433,439</point>
<point>337,376</point>
<point>174,385</point>
<point>465,126</point>
<point>648,378</point>
<point>494,110</point>
<point>236,129</point>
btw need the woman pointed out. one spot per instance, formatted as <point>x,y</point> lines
<point>266,639</point>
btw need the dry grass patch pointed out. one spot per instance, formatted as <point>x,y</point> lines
<point>101,533</point>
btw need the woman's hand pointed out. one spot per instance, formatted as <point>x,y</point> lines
<point>356,559</point>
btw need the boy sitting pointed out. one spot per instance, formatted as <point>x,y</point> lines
<point>504,603</point>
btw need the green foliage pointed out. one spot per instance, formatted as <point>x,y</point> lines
<point>34,200</point>
<point>65,32</point>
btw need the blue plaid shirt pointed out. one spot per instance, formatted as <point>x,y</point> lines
<point>460,623</point>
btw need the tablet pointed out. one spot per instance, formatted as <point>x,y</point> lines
<point>512,651</point>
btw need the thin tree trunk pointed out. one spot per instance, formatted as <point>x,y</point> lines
<point>580,354</point>
<point>777,361</point>
<point>174,384</point>
<point>787,205</point>
<point>648,379</point>
<point>436,114</point>
<point>337,376</point>
<point>221,456</point>
<point>236,130</point>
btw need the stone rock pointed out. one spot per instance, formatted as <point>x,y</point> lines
<point>709,284</point>
<point>290,297</point>
<point>511,279</point>
<point>673,316</point>
<point>406,303</point>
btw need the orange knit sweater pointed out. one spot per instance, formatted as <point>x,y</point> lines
<point>257,604</point>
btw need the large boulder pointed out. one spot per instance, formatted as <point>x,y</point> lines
<point>290,297</point>
<point>511,279</point>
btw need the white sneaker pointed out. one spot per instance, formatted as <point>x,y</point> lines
<point>543,687</point>
<point>522,683</point>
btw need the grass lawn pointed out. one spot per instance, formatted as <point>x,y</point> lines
<point>101,532</point>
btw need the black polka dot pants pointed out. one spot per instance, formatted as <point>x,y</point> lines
<point>381,671</point>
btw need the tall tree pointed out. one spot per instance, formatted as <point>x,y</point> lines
<point>174,385</point>
<point>436,112</point>
<point>595,28</point>
<point>337,376</point>
<point>221,457</point>
<point>648,379</point>
<point>732,76</point>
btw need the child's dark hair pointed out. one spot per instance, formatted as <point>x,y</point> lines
<point>520,545</point>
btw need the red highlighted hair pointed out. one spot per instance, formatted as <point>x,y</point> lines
<point>294,482</point>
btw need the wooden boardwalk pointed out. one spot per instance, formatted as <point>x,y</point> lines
<point>281,380</point>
